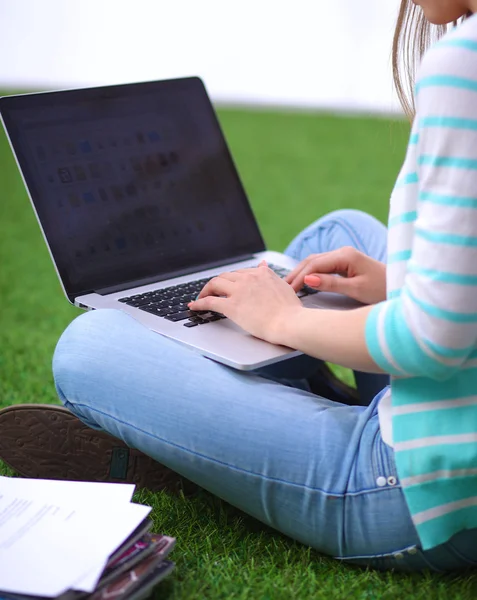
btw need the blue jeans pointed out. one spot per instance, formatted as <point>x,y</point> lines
<point>316,470</point>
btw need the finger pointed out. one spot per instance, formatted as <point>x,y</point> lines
<point>212,303</point>
<point>253,270</point>
<point>218,286</point>
<point>263,264</point>
<point>295,278</point>
<point>246,270</point>
<point>230,275</point>
<point>313,281</point>
<point>235,275</point>
<point>331,283</point>
<point>299,279</point>
<point>321,264</point>
<point>298,268</point>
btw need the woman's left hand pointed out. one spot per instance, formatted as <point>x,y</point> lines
<point>255,299</point>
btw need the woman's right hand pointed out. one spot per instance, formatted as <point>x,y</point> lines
<point>345,271</point>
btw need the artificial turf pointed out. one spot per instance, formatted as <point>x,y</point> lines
<point>295,167</point>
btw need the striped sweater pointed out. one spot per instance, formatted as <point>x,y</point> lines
<point>425,333</point>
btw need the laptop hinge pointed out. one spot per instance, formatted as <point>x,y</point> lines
<point>154,279</point>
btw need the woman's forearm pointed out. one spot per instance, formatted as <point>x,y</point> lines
<point>331,335</point>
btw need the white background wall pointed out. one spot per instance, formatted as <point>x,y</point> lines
<point>312,53</point>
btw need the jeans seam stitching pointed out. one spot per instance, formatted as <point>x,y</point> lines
<point>353,234</point>
<point>214,460</point>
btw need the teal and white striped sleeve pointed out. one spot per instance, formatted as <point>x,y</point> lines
<point>430,329</point>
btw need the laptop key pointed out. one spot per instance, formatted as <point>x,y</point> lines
<point>309,290</point>
<point>214,318</point>
<point>305,290</point>
<point>140,303</point>
<point>179,316</point>
<point>190,324</point>
<point>172,301</point>
<point>159,312</point>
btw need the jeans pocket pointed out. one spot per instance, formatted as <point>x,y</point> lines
<point>383,461</point>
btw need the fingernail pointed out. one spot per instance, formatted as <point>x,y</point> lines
<point>312,280</point>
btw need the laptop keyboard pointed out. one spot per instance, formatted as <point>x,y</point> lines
<point>171,302</point>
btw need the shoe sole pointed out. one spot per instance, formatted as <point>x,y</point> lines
<point>49,442</point>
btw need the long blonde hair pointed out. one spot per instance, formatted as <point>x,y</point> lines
<point>412,37</point>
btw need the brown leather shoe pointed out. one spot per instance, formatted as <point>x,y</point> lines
<point>48,442</point>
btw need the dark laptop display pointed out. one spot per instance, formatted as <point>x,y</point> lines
<point>131,183</point>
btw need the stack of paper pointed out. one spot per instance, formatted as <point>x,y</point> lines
<point>76,539</point>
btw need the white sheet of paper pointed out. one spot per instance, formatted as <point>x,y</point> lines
<point>73,493</point>
<point>89,581</point>
<point>79,492</point>
<point>46,547</point>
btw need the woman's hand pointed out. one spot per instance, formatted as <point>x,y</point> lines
<point>345,271</point>
<point>256,299</point>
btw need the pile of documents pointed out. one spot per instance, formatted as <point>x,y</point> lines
<point>74,540</point>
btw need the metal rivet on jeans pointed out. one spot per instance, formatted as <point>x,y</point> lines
<point>399,555</point>
<point>392,480</point>
<point>412,551</point>
<point>381,481</point>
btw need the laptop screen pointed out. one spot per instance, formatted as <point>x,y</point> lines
<point>130,182</point>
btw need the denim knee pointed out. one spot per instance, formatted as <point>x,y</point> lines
<point>81,348</point>
<point>344,227</point>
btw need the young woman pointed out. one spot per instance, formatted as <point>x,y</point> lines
<point>388,485</point>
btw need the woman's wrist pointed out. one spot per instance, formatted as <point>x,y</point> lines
<point>332,335</point>
<point>284,326</point>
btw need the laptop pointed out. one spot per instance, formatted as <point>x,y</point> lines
<point>140,204</point>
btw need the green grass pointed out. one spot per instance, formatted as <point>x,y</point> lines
<point>295,167</point>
